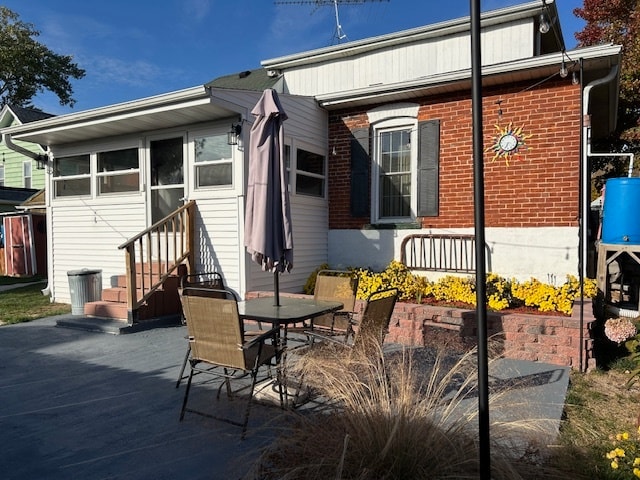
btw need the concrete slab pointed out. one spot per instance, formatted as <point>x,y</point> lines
<point>80,404</point>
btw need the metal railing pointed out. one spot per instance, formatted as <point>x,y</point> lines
<point>155,253</point>
<point>439,252</point>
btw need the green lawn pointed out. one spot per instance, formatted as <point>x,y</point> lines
<point>28,303</point>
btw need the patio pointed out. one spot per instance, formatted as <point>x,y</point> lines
<point>80,404</point>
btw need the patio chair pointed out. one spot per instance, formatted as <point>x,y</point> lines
<point>205,282</point>
<point>339,286</point>
<point>373,325</point>
<point>219,346</point>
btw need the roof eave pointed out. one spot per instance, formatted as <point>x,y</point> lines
<point>110,112</point>
<point>461,79</point>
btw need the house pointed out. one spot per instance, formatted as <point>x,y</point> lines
<point>20,181</point>
<point>379,148</point>
<point>18,169</point>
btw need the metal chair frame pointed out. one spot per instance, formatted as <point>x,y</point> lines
<point>217,337</point>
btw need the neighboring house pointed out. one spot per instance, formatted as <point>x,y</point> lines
<point>379,145</point>
<point>20,180</point>
<point>18,170</point>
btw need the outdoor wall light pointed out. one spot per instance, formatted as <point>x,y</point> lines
<point>41,162</point>
<point>544,24</point>
<point>574,78</point>
<point>234,134</point>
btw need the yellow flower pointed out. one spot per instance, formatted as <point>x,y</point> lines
<point>614,465</point>
<point>619,452</point>
<point>636,472</point>
<point>622,436</point>
<point>611,455</point>
<point>636,462</point>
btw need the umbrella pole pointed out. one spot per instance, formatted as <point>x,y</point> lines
<point>276,288</point>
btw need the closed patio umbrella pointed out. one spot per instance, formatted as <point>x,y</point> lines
<point>268,234</point>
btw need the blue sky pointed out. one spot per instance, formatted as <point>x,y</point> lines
<point>138,48</point>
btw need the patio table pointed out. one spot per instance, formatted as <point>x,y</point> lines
<point>291,310</point>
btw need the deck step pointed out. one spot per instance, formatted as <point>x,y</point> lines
<point>112,326</point>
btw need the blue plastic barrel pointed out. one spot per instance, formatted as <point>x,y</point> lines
<point>621,211</point>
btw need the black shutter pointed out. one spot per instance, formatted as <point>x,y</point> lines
<point>428,167</point>
<point>360,162</point>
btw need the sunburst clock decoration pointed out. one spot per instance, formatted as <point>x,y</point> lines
<point>509,142</point>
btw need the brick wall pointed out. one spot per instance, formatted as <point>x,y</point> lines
<point>549,339</point>
<point>538,188</point>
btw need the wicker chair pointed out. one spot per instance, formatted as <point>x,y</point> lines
<point>205,282</point>
<point>219,346</point>
<point>338,286</point>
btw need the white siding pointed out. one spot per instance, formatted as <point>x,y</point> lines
<point>547,254</point>
<point>401,63</point>
<point>87,233</point>
<point>218,224</point>
<point>310,248</point>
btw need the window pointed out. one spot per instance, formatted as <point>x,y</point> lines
<point>71,176</point>
<point>213,161</point>
<point>394,174</point>
<point>310,173</point>
<point>403,168</point>
<point>26,174</point>
<point>118,171</point>
<point>394,185</point>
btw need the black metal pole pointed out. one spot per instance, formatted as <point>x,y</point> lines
<point>481,286</point>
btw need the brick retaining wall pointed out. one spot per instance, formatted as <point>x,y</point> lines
<point>549,339</point>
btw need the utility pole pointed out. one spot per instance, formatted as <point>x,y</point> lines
<point>339,34</point>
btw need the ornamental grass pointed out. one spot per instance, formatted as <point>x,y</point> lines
<point>401,416</point>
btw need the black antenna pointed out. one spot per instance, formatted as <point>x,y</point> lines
<point>339,32</point>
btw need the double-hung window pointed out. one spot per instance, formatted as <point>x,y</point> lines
<point>118,171</point>
<point>213,161</point>
<point>72,176</point>
<point>310,173</point>
<point>26,174</point>
<point>397,156</point>
<point>394,172</point>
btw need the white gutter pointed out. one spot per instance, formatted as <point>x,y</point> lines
<point>550,61</point>
<point>6,139</point>
<point>117,111</point>
<point>586,148</point>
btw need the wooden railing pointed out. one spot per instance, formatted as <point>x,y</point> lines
<point>155,253</point>
<point>439,253</point>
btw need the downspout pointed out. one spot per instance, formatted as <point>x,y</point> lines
<point>17,148</point>
<point>585,152</point>
<point>7,140</point>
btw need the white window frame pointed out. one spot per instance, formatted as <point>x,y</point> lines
<point>403,123</point>
<point>61,178</point>
<point>27,173</point>
<point>294,172</point>
<point>102,176</point>
<point>195,165</point>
